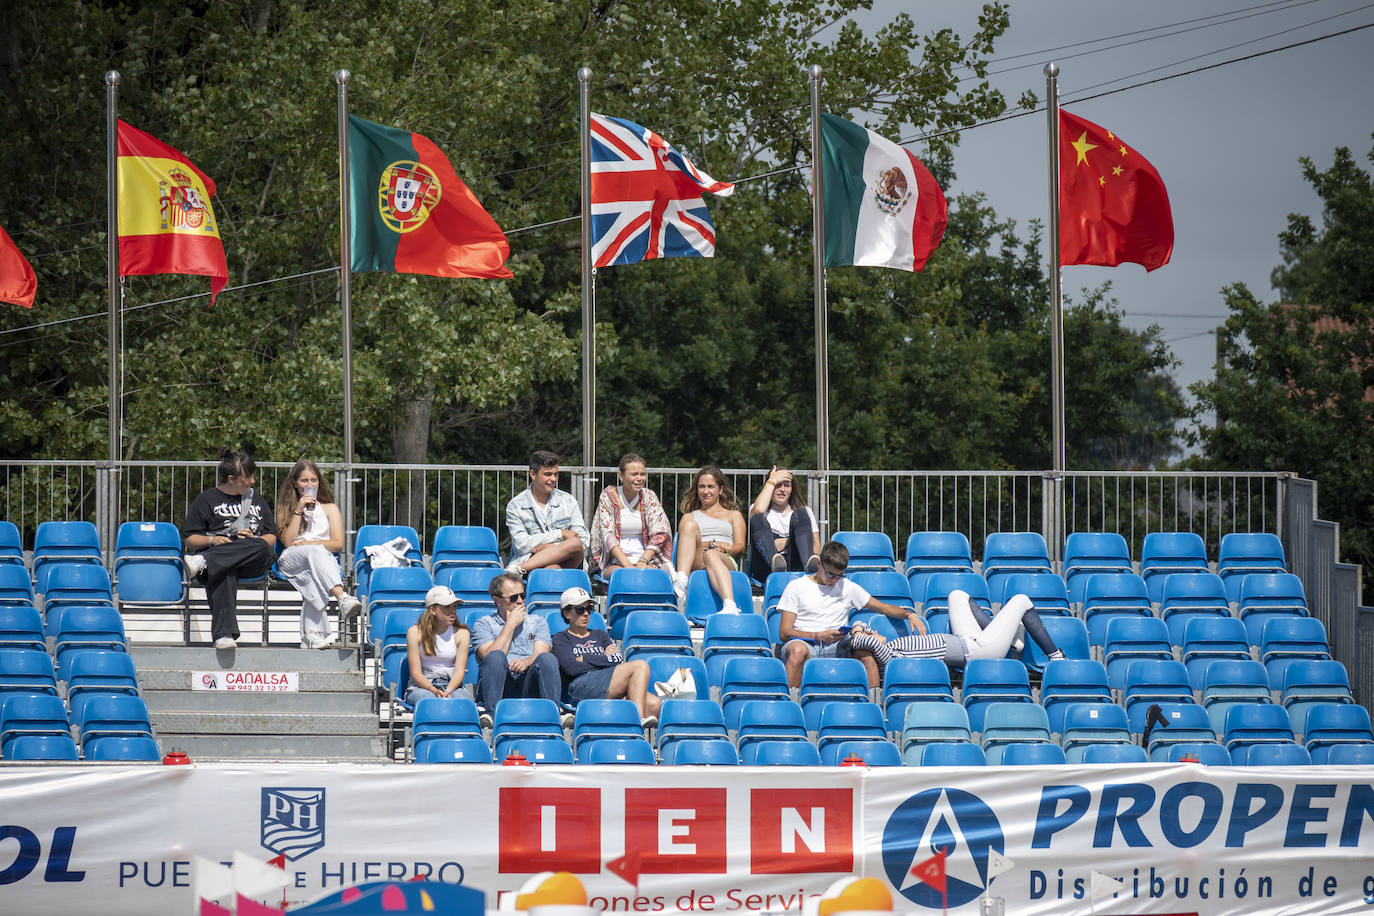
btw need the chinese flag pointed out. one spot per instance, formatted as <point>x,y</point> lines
<point>1112,204</point>
<point>932,871</point>
<point>17,282</point>
<point>166,223</point>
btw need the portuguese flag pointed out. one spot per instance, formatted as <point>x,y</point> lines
<point>410,211</point>
<point>882,207</point>
<point>166,223</point>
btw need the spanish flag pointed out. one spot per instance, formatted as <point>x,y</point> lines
<point>17,281</point>
<point>166,223</point>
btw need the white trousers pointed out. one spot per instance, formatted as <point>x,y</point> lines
<point>314,572</point>
<point>996,639</point>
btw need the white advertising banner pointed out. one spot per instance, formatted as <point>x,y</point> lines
<point>1184,839</point>
<point>247,681</point>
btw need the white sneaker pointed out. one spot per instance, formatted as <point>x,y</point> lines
<point>226,642</point>
<point>327,642</point>
<point>648,722</point>
<point>349,606</point>
<point>680,590</point>
<point>516,569</point>
<point>194,563</point>
<point>729,607</point>
<point>484,720</point>
<point>567,720</point>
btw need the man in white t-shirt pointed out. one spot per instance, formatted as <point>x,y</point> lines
<point>815,615</point>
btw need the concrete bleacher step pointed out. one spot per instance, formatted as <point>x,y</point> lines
<point>331,717</point>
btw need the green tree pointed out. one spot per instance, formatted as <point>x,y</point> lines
<point>1295,390</point>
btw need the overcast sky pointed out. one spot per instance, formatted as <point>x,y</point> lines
<point>1226,141</point>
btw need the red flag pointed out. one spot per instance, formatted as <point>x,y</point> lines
<point>17,281</point>
<point>278,861</point>
<point>166,222</point>
<point>1113,206</point>
<point>932,871</point>
<point>627,867</point>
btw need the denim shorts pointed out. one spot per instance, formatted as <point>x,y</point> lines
<point>415,694</point>
<point>834,650</point>
<point>591,685</point>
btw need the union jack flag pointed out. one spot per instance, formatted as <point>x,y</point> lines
<point>646,197</point>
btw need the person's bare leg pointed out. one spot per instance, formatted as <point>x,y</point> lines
<point>797,655</point>
<point>718,571</point>
<point>870,665</point>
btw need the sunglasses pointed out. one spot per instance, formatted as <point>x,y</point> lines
<point>829,574</point>
<point>518,596</point>
<point>581,608</point>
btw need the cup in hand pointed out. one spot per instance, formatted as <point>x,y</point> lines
<point>310,492</point>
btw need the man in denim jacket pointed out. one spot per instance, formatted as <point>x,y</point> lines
<point>545,523</point>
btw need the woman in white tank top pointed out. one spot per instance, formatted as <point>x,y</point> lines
<point>437,649</point>
<point>711,536</point>
<point>311,530</point>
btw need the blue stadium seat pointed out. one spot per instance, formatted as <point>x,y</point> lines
<point>1069,633</point>
<point>1185,597</point>
<point>829,680</point>
<point>142,749</point>
<point>872,753</point>
<point>1187,723</point>
<point>1046,591</point>
<point>447,717</point>
<point>703,752</point>
<point>1033,755</point>
<point>1285,640</point>
<point>953,754</point>
<point>932,722</point>
<point>15,585</point>
<point>657,633</point>
<point>27,671</point>
<point>1090,553</point>
<point>404,586</point>
<point>846,723</point>
<point>702,600</point>
<point>1007,553</point>
<point>1168,553</point>
<point>392,635</point>
<point>98,671</point>
<point>1329,725</point>
<point>147,564</point>
<point>472,584</point>
<point>453,750</point>
<point>1206,639</point>
<point>688,720</point>
<point>868,550</point>
<point>63,542</point>
<point>374,535</point>
<point>1351,755</point>
<point>1149,681</point>
<point>460,546</point>
<point>730,635</point>
<point>1229,681</point>
<point>1307,683</point>
<point>931,552</point>
<point>1113,753</point>
<point>619,751</point>
<point>90,627</point>
<point>761,721</point>
<point>535,750</point>
<point>598,720</point>
<point>77,583</point>
<point>1086,724</point>
<point>1247,553</point>
<point>1129,639</point>
<point>518,718</point>
<point>554,618</point>
<point>662,667</point>
<point>993,680</point>
<point>891,588</point>
<point>113,714</point>
<point>885,626</point>
<point>1207,754</point>
<point>1265,597</point>
<point>11,547</point>
<point>1248,724</point>
<point>913,680</point>
<point>21,627</point>
<point>1012,723</point>
<point>1277,755</point>
<point>30,714</point>
<point>1109,596</point>
<point>1068,681</point>
<point>543,587</point>
<point>640,590</point>
<point>42,747</point>
<point>935,601</point>
<point>748,679</point>
<point>787,754</point>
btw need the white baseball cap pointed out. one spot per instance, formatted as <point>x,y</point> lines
<point>574,596</point>
<point>443,595</point>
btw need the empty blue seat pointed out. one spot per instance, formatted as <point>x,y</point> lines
<point>77,583</point>
<point>703,752</point>
<point>867,550</point>
<point>597,720</point>
<point>1207,754</point>
<point>94,626</point>
<point>453,750</point>
<point>1007,553</point>
<point>1069,634</point>
<point>472,584</point>
<point>394,586</point>
<point>729,635</point>
<point>657,632</point>
<point>1150,681</point>
<point>619,751</point>
<point>935,601</point>
<point>11,547</point>
<point>1285,640</point>
<point>1243,553</point>
<point>21,627</point>
<point>98,671</point>
<point>846,723</point>
<point>702,601</point>
<point>1086,724</point>
<point>147,563</point>
<point>993,680</point>
<point>1012,723</point>
<point>535,750</point>
<point>827,680</point>
<point>930,552</point>
<point>42,747</point>
<point>1185,723</point>
<point>457,546</point>
<point>872,753</point>
<point>1129,639</point>
<point>1166,553</point>
<point>15,585</point>
<point>746,679</point>
<point>128,748</point>
<point>761,721</point>
<point>1206,639</point>
<point>63,542</point>
<point>113,714</point>
<point>1308,683</point>
<point>639,590</point>
<point>1189,596</point>
<point>1046,591</point>
<point>1107,597</point>
<point>1068,681</point>
<point>787,754</point>
<point>686,720</point>
<point>1249,724</point>
<point>27,671</point>
<point>1264,597</point>
<point>1277,755</point>
<point>1351,754</point>
<point>517,718</point>
<point>913,680</point>
<point>931,722</point>
<point>30,714</point>
<point>1331,724</point>
<point>1113,753</point>
<point>1090,553</point>
<point>1229,681</point>
<point>1033,755</point>
<point>891,588</point>
<point>953,754</point>
<point>453,717</point>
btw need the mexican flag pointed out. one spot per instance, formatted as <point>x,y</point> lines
<point>410,211</point>
<point>882,207</point>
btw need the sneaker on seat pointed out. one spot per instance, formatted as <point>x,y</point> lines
<point>516,569</point>
<point>194,563</point>
<point>349,606</point>
<point>484,720</point>
<point>813,564</point>
<point>226,642</point>
<point>779,563</point>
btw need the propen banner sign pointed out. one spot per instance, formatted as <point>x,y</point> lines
<point>1181,838</point>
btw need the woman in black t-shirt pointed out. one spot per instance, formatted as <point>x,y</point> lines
<point>592,666</point>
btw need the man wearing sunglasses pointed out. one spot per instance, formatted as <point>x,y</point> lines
<point>592,666</point>
<point>815,615</point>
<point>513,648</point>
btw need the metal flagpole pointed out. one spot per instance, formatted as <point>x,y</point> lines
<point>819,497</point>
<point>1057,461</point>
<point>584,80</point>
<point>346,301</point>
<point>109,516</point>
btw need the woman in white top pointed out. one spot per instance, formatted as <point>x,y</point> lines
<point>710,536</point>
<point>783,533</point>
<point>311,529</point>
<point>437,649</point>
<point>630,528</point>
